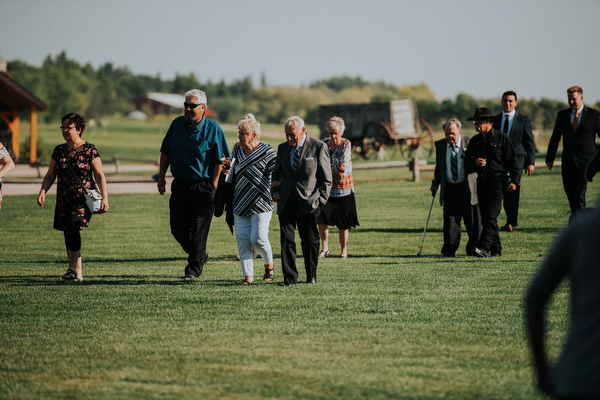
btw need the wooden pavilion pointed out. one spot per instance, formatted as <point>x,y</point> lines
<point>14,99</point>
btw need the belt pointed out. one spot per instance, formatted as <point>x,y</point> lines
<point>456,184</point>
<point>492,175</point>
<point>191,182</point>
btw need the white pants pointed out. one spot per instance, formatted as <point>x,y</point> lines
<point>253,231</point>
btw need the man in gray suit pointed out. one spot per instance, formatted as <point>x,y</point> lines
<point>458,194</point>
<point>518,129</point>
<point>301,184</point>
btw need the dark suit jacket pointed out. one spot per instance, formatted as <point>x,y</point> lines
<point>579,148</point>
<point>521,137</point>
<point>311,182</point>
<point>439,174</point>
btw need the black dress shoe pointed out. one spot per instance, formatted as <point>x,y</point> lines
<point>313,280</point>
<point>496,254</point>
<point>477,252</point>
<point>507,228</point>
<point>289,284</point>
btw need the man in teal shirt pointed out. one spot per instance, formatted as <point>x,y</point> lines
<point>193,148</point>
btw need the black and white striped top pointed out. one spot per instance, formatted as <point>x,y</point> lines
<point>252,176</point>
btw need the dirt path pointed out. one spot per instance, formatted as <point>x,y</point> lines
<point>25,180</point>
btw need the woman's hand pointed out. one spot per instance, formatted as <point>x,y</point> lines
<point>104,204</point>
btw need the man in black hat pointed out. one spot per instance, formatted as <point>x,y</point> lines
<point>491,155</point>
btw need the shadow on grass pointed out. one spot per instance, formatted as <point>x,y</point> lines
<point>89,260</point>
<point>394,230</point>
<point>124,280</point>
<point>436,229</point>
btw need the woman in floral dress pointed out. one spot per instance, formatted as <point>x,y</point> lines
<point>6,165</point>
<point>340,209</point>
<point>75,156</point>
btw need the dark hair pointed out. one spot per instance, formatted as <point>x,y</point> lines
<point>76,120</point>
<point>509,93</point>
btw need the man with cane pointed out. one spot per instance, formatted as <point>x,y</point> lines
<point>458,193</point>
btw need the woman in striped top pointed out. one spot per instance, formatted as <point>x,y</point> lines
<point>252,203</point>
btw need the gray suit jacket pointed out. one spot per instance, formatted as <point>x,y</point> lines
<point>439,175</point>
<point>311,182</point>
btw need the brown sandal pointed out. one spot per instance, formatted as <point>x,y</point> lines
<point>269,275</point>
<point>70,275</point>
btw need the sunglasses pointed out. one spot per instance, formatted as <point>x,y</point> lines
<point>191,106</point>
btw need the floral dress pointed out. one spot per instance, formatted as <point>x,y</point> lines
<point>70,196</point>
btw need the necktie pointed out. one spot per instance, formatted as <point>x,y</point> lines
<point>505,129</point>
<point>576,121</point>
<point>295,158</point>
<point>454,163</point>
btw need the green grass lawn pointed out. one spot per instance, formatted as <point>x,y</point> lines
<point>383,324</point>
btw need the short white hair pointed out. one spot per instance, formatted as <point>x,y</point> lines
<point>451,121</point>
<point>199,94</point>
<point>249,125</point>
<point>299,122</point>
<point>336,122</point>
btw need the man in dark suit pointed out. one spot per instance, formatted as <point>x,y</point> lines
<point>301,184</point>
<point>518,129</point>
<point>458,193</point>
<point>578,126</point>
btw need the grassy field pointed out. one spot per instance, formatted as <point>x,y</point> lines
<point>383,324</point>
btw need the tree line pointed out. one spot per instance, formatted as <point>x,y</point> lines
<point>67,86</point>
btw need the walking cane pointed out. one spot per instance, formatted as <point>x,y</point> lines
<point>426,223</point>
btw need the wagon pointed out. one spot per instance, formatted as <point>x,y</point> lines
<point>373,125</point>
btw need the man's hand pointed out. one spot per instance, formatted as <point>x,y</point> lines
<point>530,169</point>
<point>511,188</point>
<point>433,190</point>
<point>480,162</point>
<point>275,196</point>
<point>161,185</point>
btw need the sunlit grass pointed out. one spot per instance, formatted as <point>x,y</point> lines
<point>382,324</point>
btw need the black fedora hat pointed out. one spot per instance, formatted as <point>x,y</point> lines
<point>482,113</point>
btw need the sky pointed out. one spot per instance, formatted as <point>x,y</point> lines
<point>537,48</point>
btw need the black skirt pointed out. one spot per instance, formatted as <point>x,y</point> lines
<point>339,211</point>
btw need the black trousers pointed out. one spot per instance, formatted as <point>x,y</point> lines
<point>511,199</point>
<point>457,207</point>
<point>289,218</point>
<point>489,192</point>
<point>575,185</point>
<point>191,212</point>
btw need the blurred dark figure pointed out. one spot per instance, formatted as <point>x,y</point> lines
<point>576,256</point>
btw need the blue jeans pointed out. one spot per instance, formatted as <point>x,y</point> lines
<point>253,231</point>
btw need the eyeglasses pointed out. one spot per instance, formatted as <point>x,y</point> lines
<point>191,106</point>
<point>67,128</point>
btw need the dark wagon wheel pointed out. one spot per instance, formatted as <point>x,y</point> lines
<point>374,135</point>
<point>422,146</point>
